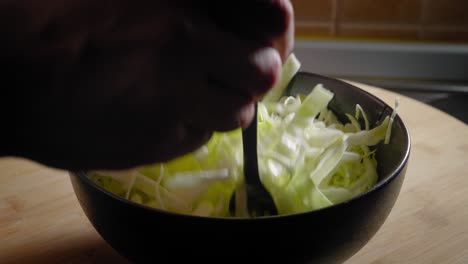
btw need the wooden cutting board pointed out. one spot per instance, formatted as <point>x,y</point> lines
<point>42,222</point>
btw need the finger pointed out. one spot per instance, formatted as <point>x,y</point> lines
<point>180,140</point>
<point>214,108</point>
<point>224,99</point>
<point>250,74</point>
<point>253,20</point>
<point>242,66</point>
<point>161,137</point>
<point>284,43</point>
<point>141,145</point>
<point>234,74</point>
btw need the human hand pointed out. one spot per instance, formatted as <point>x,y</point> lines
<point>117,84</point>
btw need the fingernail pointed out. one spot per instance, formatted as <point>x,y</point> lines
<point>268,61</point>
<point>246,115</point>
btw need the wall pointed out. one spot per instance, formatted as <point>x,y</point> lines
<point>402,20</point>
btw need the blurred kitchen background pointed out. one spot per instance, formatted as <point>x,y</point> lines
<point>418,48</point>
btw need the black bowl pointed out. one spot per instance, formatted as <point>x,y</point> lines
<point>329,235</point>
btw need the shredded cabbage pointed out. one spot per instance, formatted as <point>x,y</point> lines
<point>307,160</point>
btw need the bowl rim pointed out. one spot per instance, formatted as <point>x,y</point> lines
<point>82,175</point>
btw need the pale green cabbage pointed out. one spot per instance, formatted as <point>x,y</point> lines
<point>307,160</point>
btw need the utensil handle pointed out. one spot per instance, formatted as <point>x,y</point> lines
<point>249,142</point>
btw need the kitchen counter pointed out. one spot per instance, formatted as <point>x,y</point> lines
<point>42,222</point>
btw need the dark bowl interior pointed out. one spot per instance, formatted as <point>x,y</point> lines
<point>328,235</point>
